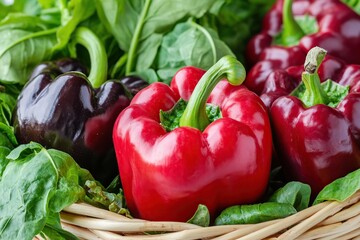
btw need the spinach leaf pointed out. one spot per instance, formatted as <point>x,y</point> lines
<point>201,216</point>
<point>139,25</point>
<point>237,21</point>
<point>189,44</point>
<point>7,143</point>
<point>8,140</point>
<point>36,184</point>
<point>354,4</point>
<point>287,200</point>
<point>30,7</point>
<point>53,229</point>
<point>98,196</point>
<point>296,194</point>
<point>25,42</point>
<point>49,232</point>
<point>248,214</point>
<point>72,13</point>
<point>7,104</point>
<point>340,189</point>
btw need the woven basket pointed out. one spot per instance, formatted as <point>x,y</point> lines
<point>327,220</point>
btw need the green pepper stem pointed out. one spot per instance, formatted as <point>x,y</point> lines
<point>195,112</point>
<point>97,52</point>
<point>314,93</point>
<point>292,31</point>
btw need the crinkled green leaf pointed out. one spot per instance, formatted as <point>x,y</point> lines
<point>72,13</point>
<point>25,42</point>
<point>189,44</point>
<point>256,213</point>
<point>201,217</point>
<point>296,194</point>
<point>36,184</point>
<point>340,189</point>
<point>135,23</point>
<point>354,4</point>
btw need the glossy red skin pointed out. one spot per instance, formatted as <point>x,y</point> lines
<point>339,34</point>
<point>283,82</point>
<point>319,144</point>
<point>165,175</point>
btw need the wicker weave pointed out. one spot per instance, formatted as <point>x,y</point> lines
<point>327,220</point>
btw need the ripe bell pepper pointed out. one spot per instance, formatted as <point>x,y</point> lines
<point>283,82</point>
<point>198,141</point>
<point>291,30</point>
<point>316,128</point>
<point>61,108</point>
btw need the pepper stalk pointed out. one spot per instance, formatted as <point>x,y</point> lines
<point>314,93</point>
<point>195,112</point>
<point>292,32</point>
<point>97,53</point>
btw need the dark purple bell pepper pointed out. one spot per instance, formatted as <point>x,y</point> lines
<point>61,108</point>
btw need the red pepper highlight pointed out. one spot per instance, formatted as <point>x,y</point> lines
<point>218,163</point>
<point>317,132</point>
<point>284,42</point>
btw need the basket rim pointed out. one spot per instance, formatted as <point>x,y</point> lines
<point>331,219</point>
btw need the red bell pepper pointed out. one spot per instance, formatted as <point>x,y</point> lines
<point>283,82</point>
<point>316,129</point>
<point>217,152</point>
<point>291,30</point>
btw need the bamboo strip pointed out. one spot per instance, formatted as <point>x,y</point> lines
<point>357,237</point>
<point>108,235</point>
<point>274,228</point>
<point>190,234</point>
<point>348,226</point>
<point>80,232</point>
<point>91,211</point>
<point>343,215</point>
<point>125,226</point>
<point>318,232</point>
<point>327,211</point>
<point>246,230</point>
<point>328,220</point>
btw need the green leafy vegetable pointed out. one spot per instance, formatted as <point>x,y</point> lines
<point>25,42</point>
<point>73,12</point>
<point>7,104</point>
<point>7,143</point>
<point>189,44</point>
<point>296,194</point>
<point>29,39</point>
<point>201,216</point>
<point>247,214</point>
<point>98,196</point>
<point>354,4</point>
<point>36,184</point>
<point>53,229</point>
<point>285,201</point>
<point>30,7</point>
<point>237,21</point>
<point>7,138</point>
<point>139,25</point>
<point>340,189</point>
